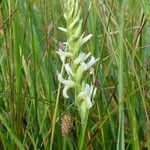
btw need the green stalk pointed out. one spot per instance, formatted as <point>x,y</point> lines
<point>83,132</point>
<point>120,141</point>
<point>18,85</point>
<point>54,117</point>
<point>56,109</point>
<point>11,133</point>
<point>64,143</point>
<point>35,60</point>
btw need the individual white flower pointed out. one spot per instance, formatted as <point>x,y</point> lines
<point>67,84</point>
<point>63,54</point>
<point>68,69</point>
<point>81,58</point>
<point>85,66</point>
<point>88,95</point>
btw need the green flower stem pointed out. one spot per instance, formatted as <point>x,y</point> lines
<point>56,109</point>
<point>83,132</point>
<point>54,116</point>
<point>120,141</point>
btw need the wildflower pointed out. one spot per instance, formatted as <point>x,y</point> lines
<point>81,58</point>
<point>67,84</point>
<point>85,66</point>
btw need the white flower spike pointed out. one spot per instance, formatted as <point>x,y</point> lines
<point>75,63</point>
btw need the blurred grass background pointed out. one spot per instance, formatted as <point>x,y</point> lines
<point>29,38</point>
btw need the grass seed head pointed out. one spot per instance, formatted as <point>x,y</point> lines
<point>66,125</point>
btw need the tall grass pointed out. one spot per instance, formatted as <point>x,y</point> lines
<point>31,104</point>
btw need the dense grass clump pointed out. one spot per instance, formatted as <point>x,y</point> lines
<point>36,112</point>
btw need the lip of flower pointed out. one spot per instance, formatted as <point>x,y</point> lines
<point>88,95</point>
<point>81,58</point>
<point>66,88</point>
<point>63,54</point>
<point>67,84</point>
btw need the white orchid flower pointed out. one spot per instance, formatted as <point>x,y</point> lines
<point>81,58</point>
<point>67,84</point>
<point>85,66</point>
<point>68,69</point>
<point>88,95</point>
<point>63,54</point>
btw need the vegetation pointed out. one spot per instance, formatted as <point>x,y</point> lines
<point>36,113</point>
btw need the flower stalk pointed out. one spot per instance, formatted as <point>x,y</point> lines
<point>77,63</point>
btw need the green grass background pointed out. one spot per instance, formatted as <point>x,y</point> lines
<point>29,38</point>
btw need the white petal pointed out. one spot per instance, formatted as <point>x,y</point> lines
<point>63,54</point>
<point>89,103</point>
<point>65,43</point>
<point>87,88</point>
<point>91,90</point>
<point>68,69</point>
<point>88,95</point>
<point>65,95</point>
<point>87,66</point>
<point>91,71</point>
<point>66,88</point>
<point>92,62</point>
<point>65,16</point>
<point>81,58</point>
<point>62,29</point>
<point>83,66</point>
<point>84,92</point>
<point>68,82</point>
<point>94,92</point>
